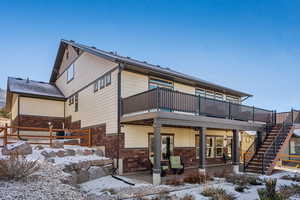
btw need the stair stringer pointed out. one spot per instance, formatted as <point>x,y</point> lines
<point>281,150</point>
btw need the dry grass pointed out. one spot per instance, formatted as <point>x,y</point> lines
<point>243,179</point>
<point>217,194</point>
<point>176,181</point>
<point>16,167</point>
<point>197,178</point>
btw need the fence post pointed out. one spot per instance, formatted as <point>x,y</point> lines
<point>5,135</point>
<point>90,137</point>
<point>50,132</point>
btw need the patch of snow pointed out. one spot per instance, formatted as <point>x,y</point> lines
<point>15,145</point>
<point>75,159</point>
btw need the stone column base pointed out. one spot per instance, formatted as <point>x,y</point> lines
<point>236,169</point>
<point>120,170</point>
<point>202,171</point>
<point>156,179</point>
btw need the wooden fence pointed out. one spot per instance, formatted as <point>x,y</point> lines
<point>83,135</point>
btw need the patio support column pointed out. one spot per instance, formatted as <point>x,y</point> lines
<point>236,151</point>
<point>157,152</point>
<point>202,150</point>
<point>259,139</point>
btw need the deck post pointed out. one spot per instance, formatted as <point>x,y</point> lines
<point>259,139</point>
<point>202,149</point>
<point>236,151</point>
<point>157,153</point>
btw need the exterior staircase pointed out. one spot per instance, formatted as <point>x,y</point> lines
<point>267,154</point>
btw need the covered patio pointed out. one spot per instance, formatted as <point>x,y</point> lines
<point>161,119</point>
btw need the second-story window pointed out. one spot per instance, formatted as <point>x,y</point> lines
<point>200,92</point>
<point>70,73</point>
<point>155,83</point>
<point>232,99</point>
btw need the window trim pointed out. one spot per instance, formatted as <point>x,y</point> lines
<point>214,147</point>
<point>161,134</point>
<point>73,66</point>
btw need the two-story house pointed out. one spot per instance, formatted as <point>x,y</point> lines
<point>136,109</point>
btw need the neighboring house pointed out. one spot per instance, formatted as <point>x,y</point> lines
<point>2,98</point>
<point>136,109</point>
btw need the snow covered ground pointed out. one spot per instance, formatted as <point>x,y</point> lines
<point>108,188</point>
<point>46,184</point>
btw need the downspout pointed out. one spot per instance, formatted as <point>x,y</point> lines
<point>119,112</point>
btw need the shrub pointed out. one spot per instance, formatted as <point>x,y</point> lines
<point>240,188</point>
<point>218,194</point>
<point>288,191</point>
<point>291,178</point>
<point>269,192</point>
<point>243,179</point>
<point>174,181</point>
<point>188,197</point>
<point>197,178</point>
<point>17,167</point>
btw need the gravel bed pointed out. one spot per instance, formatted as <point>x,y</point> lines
<point>42,185</point>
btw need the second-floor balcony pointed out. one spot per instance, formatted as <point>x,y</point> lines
<point>166,100</point>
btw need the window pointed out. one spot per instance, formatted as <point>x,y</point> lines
<point>154,83</point>
<point>210,147</point>
<point>295,146</point>
<point>219,96</point>
<point>96,86</point>
<point>108,79</point>
<point>214,146</point>
<point>167,146</point>
<point>232,99</point>
<point>71,100</point>
<point>200,92</point>
<point>76,102</point>
<point>102,82</point>
<point>219,146</point>
<point>67,55</point>
<point>70,73</point>
<point>210,94</point>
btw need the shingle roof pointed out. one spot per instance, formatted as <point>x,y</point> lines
<point>26,86</point>
<point>141,64</point>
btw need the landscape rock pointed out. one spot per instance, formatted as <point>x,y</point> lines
<point>87,152</point>
<point>61,153</point>
<point>98,152</point>
<point>70,152</point>
<point>82,176</point>
<point>57,144</point>
<point>47,154</point>
<point>39,147</point>
<point>96,172</point>
<point>20,148</point>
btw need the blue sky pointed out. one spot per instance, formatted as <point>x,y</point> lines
<point>248,45</point>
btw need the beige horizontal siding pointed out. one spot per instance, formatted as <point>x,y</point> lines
<point>41,107</point>
<point>137,136</point>
<point>184,88</point>
<point>133,83</point>
<point>97,108</point>
<point>87,69</point>
<point>66,62</point>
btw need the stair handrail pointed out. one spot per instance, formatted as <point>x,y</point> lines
<point>251,152</point>
<point>274,144</point>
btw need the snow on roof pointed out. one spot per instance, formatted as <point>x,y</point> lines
<point>26,86</point>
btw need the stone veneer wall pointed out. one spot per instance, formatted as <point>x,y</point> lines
<point>37,121</point>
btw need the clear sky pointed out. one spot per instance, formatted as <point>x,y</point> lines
<point>248,45</point>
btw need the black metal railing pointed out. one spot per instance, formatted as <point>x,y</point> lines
<point>248,155</point>
<point>291,117</point>
<point>169,100</point>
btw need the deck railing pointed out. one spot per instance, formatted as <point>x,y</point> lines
<point>45,135</point>
<point>291,117</point>
<point>174,101</point>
